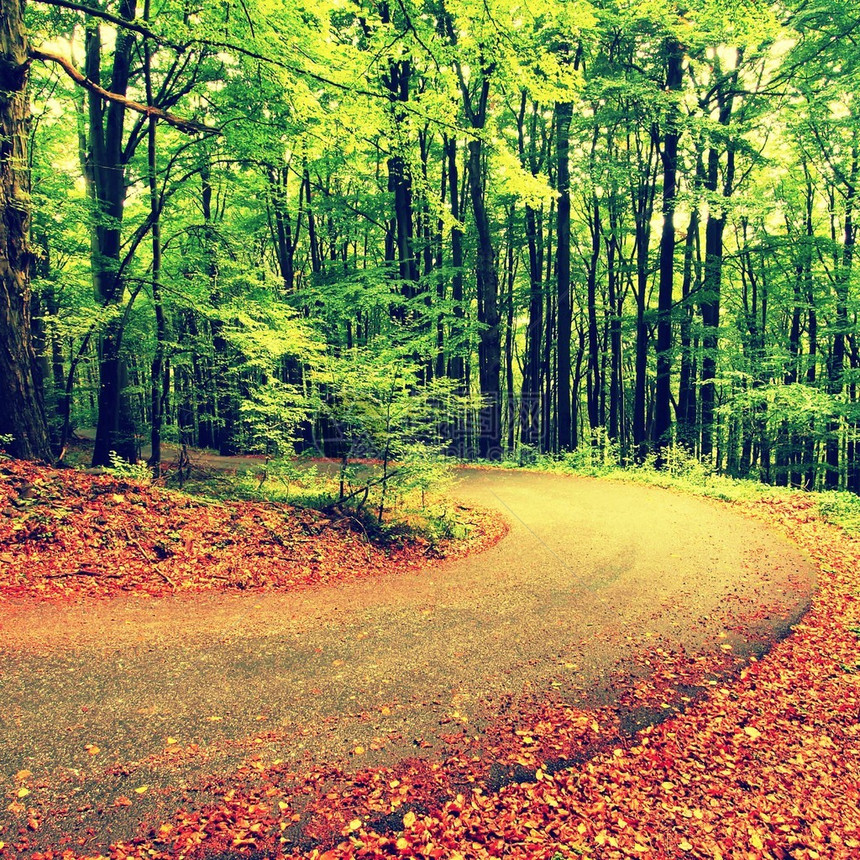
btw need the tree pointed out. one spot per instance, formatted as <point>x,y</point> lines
<point>23,415</point>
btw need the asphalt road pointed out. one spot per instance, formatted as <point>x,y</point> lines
<point>590,573</point>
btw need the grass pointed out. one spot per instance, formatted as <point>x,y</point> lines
<point>411,513</point>
<point>421,511</point>
<point>685,473</point>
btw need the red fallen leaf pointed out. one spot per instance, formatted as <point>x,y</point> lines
<point>122,800</point>
<point>800,691</point>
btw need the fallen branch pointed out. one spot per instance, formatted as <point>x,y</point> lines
<point>365,488</point>
<point>367,540</point>
<point>153,562</point>
<point>83,572</point>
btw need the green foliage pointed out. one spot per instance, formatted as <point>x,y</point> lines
<point>841,509</point>
<point>295,304</point>
<point>137,472</point>
<point>377,408</point>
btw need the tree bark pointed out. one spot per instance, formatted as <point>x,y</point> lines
<point>530,413</point>
<point>489,343</point>
<point>105,169</point>
<point>671,135</point>
<point>159,375</point>
<point>22,415</point>
<point>563,113</point>
<point>713,270</point>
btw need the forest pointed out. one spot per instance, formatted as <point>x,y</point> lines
<point>505,229</point>
<point>467,315</point>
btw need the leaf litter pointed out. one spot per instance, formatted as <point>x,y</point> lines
<point>67,533</point>
<point>764,763</point>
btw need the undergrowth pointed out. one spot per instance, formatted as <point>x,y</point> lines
<point>415,510</point>
<point>684,472</point>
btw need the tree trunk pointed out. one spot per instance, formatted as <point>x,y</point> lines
<point>686,412</point>
<point>457,332</point>
<point>713,269</point>
<point>105,170</point>
<point>489,343</point>
<point>22,415</point>
<point>530,413</point>
<point>563,113</point>
<point>842,281</point>
<point>671,135</point>
<point>158,374</point>
<point>530,396</point>
<point>595,375</point>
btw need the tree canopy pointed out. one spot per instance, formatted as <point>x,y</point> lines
<point>568,223</point>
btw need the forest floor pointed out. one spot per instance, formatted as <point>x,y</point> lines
<point>185,678</point>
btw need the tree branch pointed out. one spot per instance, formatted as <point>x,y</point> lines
<point>184,125</point>
<point>116,20</point>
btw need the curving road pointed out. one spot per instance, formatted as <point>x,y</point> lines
<point>590,572</point>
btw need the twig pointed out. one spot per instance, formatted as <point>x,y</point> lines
<point>366,536</point>
<point>274,535</point>
<point>146,555</point>
<point>83,572</point>
<point>363,489</point>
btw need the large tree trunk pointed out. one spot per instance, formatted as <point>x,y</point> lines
<point>159,373</point>
<point>105,169</point>
<point>563,113</point>
<point>713,271</point>
<point>457,334</point>
<point>530,414</point>
<point>486,275</point>
<point>640,381</point>
<point>662,397</point>
<point>842,281</point>
<point>22,415</point>
<point>595,375</point>
<point>489,343</point>
<point>530,396</point>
